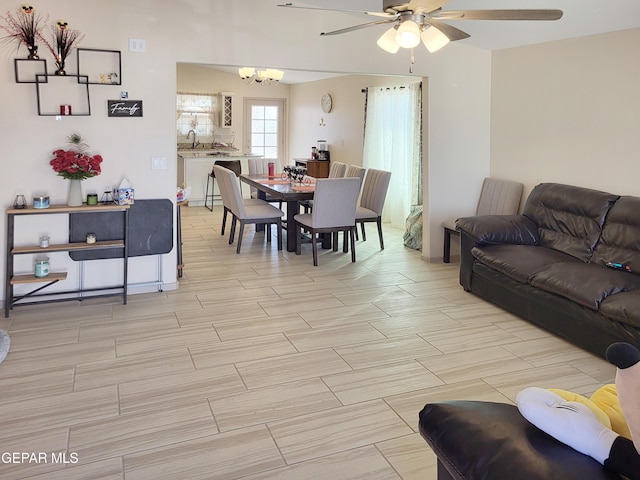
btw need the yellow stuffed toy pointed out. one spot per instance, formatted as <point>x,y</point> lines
<point>605,426</point>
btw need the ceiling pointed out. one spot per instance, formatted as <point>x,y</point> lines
<point>581,18</point>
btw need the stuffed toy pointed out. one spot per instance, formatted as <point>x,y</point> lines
<point>605,426</point>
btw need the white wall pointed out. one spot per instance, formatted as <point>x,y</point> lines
<point>569,112</point>
<point>193,31</point>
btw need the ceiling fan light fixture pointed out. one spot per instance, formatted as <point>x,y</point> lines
<point>408,34</point>
<point>433,39</point>
<point>387,41</point>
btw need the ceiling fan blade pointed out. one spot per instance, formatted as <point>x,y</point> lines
<point>452,33</point>
<point>500,15</point>
<point>357,27</point>
<point>375,14</point>
<point>426,6</point>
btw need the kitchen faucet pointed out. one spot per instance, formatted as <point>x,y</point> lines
<point>194,138</point>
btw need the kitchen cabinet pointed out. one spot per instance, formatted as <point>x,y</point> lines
<point>194,168</point>
<point>226,109</point>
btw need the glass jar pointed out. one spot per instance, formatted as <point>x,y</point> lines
<point>41,269</point>
<point>44,241</point>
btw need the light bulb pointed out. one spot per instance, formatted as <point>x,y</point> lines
<point>434,39</point>
<point>387,41</point>
<point>408,34</point>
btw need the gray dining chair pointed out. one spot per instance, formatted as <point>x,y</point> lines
<point>260,166</point>
<point>374,193</point>
<point>337,170</point>
<point>335,202</point>
<point>497,197</point>
<point>247,212</point>
<point>355,171</point>
<point>233,165</point>
<point>226,200</point>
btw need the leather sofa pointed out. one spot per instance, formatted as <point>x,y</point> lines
<point>549,264</point>
<point>476,440</point>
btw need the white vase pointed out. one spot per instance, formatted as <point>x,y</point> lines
<point>74,198</point>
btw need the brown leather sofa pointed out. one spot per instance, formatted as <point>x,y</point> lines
<point>549,265</point>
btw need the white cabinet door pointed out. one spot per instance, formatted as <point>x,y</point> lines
<point>196,174</point>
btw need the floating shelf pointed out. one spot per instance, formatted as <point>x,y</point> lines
<point>100,67</point>
<point>75,94</point>
<point>31,278</point>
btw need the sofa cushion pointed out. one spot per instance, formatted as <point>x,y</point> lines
<point>569,218</point>
<point>587,284</point>
<point>519,262</point>
<point>620,239</point>
<point>623,307</point>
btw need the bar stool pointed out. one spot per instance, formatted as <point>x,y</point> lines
<point>233,165</point>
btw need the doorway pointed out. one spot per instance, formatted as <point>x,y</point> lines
<point>264,128</point>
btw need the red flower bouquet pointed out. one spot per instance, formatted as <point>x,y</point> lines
<point>75,164</point>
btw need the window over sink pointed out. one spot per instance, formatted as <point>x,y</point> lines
<point>197,112</point>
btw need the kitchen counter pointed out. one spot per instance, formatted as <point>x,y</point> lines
<point>195,165</point>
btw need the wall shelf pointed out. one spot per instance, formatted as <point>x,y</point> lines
<point>26,70</point>
<point>12,279</point>
<point>99,67</point>
<point>95,67</point>
<point>64,90</point>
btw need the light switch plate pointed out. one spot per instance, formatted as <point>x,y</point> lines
<point>158,163</point>
<point>137,45</point>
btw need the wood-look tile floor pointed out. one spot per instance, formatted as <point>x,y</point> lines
<point>261,366</point>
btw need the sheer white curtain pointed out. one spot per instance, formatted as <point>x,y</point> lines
<point>392,138</point>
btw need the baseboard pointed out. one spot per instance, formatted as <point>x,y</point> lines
<point>453,260</point>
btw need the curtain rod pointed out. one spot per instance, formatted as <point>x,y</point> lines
<point>365,90</point>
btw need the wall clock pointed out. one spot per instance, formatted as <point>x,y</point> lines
<point>326,103</point>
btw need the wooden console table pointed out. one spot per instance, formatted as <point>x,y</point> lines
<point>11,279</point>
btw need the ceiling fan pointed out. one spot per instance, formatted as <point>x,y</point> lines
<point>421,20</point>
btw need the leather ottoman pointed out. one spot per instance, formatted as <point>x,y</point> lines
<point>476,440</point>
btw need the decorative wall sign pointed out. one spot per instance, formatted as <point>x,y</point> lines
<point>124,108</point>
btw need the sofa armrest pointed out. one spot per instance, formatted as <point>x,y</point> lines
<point>499,229</point>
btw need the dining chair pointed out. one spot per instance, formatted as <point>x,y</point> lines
<point>233,165</point>
<point>243,213</point>
<point>356,171</point>
<point>374,193</point>
<point>226,199</point>
<point>337,170</point>
<point>335,202</point>
<point>260,166</point>
<point>497,197</point>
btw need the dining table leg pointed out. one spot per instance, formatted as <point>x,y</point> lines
<point>292,210</point>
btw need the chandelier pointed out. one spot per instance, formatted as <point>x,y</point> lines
<point>269,76</point>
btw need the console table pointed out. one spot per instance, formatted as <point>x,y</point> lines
<point>12,279</point>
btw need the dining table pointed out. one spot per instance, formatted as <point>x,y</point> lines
<point>288,192</point>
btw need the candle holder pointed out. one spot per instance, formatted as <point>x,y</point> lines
<point>20,202</point>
